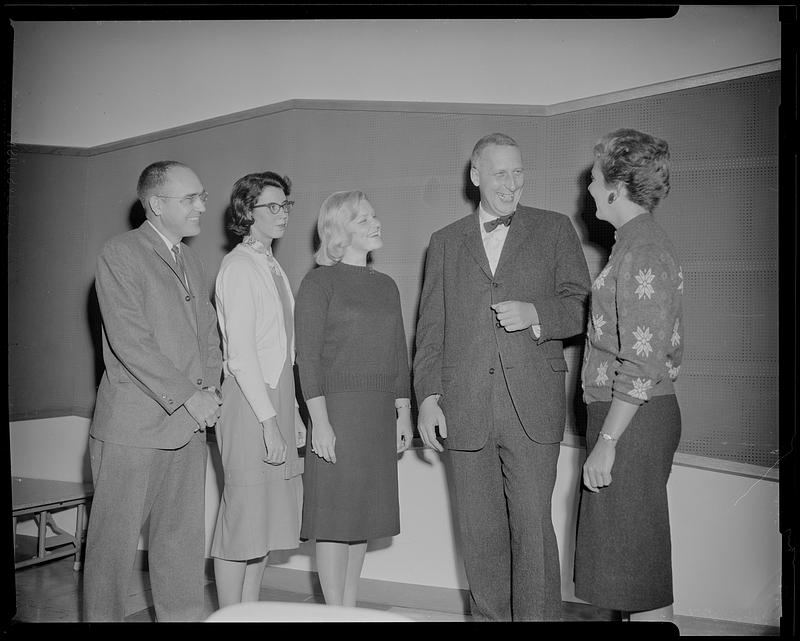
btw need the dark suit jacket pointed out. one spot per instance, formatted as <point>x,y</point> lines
<point>458,339</point>
<point>160,342</point>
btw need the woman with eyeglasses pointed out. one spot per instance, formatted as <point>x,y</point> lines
<point>260,428</point>
<point>353,363</point>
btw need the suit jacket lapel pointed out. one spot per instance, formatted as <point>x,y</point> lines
<point>518,237</point>
<point>474,243</point>
<point>169,260</point>
<point>164,253</point>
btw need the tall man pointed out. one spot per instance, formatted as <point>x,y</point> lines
<point>502,287</point>
<point>147,440</point>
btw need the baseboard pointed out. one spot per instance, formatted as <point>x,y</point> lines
<point>406,595</point>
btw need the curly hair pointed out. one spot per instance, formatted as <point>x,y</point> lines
<point>637,160</point>
<point>244,194</point>
<point>338,209</point>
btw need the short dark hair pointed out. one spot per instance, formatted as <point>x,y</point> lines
<point>153,176</point>
<point>245,192</point>
<point>637,160</point>
<point>491,139</point>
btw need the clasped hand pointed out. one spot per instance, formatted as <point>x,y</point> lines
<point>203,407</point>
<point>515,315</point>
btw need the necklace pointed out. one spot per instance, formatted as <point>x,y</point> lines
<point>262,249</point>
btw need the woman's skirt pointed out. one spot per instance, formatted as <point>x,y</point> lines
<point>260,508</point>
<point>623,555</point>
<point>356,498</point>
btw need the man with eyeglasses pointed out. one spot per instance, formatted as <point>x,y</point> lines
<point>156,397</point>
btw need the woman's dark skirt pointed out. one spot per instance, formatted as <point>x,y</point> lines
<point>623,555</point>
<point>355,499</point>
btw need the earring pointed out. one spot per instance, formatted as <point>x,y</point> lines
<point>611,198</point>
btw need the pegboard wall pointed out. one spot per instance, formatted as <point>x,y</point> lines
<point>722,215</point>
<point>413,165</point>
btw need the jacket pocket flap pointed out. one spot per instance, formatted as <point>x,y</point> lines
<point>558,364</point>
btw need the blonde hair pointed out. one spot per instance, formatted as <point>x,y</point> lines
<point>338,209</point>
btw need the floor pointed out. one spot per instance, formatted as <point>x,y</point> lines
<point>51,592</point>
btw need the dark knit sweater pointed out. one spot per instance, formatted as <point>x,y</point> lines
<point>349,332</point>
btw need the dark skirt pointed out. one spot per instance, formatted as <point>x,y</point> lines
<point>356,498</point>
<point>623,555</point>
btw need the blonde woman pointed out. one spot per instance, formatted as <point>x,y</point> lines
<point>353,364</point>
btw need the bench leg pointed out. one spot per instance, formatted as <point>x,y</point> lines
<point>41,521</point>
<point>80,537</point>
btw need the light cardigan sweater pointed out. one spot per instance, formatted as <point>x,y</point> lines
<point>251,320</point>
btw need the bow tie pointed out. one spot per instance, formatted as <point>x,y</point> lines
<point>499,220</point>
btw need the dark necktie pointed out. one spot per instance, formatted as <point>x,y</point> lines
<point>499,220</point>
<point>181,266</point>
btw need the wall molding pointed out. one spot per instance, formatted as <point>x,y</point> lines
<point>668,86</point>
<point>723,466</point>
<point>406,595</point>
<point>524,111</point>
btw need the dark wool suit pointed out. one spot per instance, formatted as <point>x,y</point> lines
<point>160,345</point>
<point>503,399</point>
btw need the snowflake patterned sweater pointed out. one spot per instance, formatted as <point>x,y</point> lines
<point>634,343</point>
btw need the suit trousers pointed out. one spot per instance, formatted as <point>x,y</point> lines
<point>503,496</point>
<point>132,484</point>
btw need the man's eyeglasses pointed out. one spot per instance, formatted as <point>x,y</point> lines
<point>275,208</point>
<point>189,199</point>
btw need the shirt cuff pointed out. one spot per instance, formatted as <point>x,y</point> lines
<point>537,331</point>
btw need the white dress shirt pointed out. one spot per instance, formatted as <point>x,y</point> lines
<point>493,242</point>
<point>166,240</point>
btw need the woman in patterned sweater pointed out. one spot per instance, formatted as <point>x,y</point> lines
<point>633,354</point>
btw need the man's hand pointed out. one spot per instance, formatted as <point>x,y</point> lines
<point>203,407</point>
<point>276,446</point>
<point>515,315</point>
<point>431,415</point>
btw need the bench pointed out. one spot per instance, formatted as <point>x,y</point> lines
<point>42,497</point>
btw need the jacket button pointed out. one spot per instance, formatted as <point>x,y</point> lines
<point>199,381</point>
<point>495,284</point>
<point>188,298</point>
<point>491,370</point>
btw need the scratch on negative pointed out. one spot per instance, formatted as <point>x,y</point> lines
<point>757,481</point>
